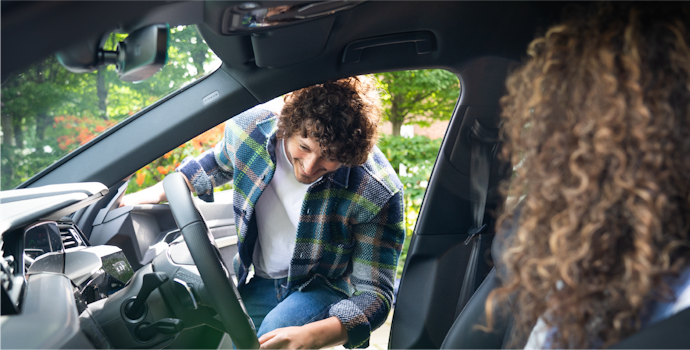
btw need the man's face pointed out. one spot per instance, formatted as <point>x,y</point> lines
<point>306,158</point>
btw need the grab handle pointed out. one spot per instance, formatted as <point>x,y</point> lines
<point>422,40</point>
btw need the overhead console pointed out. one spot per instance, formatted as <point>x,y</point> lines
<point>252,16</point>
<point>281,33</point>
<point>258,16</point>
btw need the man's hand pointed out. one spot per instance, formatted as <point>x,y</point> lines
<point>325,333</point>
<point>152,195</point>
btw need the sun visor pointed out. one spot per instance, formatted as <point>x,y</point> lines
<point>293,44</point>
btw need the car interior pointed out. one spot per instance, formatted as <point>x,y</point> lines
<point>128,277</point>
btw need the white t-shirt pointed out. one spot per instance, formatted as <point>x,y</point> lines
<point>277,217</point>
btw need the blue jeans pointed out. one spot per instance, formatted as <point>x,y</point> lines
<point>272,306</point>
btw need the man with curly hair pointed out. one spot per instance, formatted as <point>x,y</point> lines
<point>318,211</point>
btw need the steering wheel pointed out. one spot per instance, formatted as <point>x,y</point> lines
<point>221,289</point>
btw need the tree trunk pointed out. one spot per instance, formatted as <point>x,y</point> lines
<point>7,130</point>
<point>397,125</point>
<point>18,132</point>
<point>42,122</point>
<point>198,54</point>
<point>102,92</point>
<point>397,118</point>
<point>198,57</point>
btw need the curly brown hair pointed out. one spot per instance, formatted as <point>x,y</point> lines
<point>598,121</point>
<point>342,115</point>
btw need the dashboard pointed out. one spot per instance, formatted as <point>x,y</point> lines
<point>49,274</point>
<point>73,286</point>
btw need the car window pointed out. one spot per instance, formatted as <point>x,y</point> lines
<point>417,109</point>
<point>48,112</point>
<point>417,106</point>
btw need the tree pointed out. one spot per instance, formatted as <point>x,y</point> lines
<point>48,111</point>
<point>418,96</point>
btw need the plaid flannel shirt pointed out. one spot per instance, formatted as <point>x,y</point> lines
<point>351,228</point>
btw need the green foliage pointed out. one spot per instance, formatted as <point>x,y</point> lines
<point>413,159</point>
<point>418,96</point>
<point>48,111</point>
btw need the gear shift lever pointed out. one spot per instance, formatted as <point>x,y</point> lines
<point>150,282</point>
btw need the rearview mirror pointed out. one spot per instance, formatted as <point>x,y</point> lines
<point>143,53</point>
<point>138,57</point>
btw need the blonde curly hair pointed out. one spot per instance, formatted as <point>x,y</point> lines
<point>599,120</point>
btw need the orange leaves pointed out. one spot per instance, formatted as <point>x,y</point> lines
<point>196,144</point>
<point>79,130</point>
<point>141,176</point>
<point>208,139</point>
<point>64,142</point>
<point>167,163</point>
<point>84,135</point>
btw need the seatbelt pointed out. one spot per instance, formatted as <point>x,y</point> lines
<point>483,142</point>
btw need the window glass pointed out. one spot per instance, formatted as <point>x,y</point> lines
<point>417,105</point>
<point>48,111</point>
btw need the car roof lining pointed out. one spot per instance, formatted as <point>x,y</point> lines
<point>473,32</point>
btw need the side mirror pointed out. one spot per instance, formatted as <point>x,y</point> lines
<point>141,55</point>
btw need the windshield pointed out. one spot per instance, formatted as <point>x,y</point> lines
<point>48,112</point>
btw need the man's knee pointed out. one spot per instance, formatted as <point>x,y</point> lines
<point>300,308</point>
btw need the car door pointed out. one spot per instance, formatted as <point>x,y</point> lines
<point>429,297</point>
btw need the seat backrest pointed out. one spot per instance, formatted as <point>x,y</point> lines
<point>670,333</point>
<point>464,334</point>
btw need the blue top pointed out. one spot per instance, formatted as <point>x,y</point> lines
<point>663,310</point>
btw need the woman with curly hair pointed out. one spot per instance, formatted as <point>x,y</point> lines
<point>598,120</point>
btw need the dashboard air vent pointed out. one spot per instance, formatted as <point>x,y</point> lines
<point>70,236</point>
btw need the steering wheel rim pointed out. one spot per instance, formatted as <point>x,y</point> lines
<point>221,289</point>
